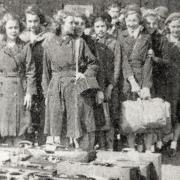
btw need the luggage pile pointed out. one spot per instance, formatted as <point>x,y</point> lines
<point>37,164</point>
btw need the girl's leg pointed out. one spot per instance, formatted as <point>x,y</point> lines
<point>131,140</point>
<point>173,147</point>
<point>148,139</point>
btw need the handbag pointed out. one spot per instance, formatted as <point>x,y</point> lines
<point>142,115</point>
<point>88,83</point>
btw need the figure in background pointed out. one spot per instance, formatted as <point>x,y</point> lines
<point>69,84</point>
<point>117,22</point>
<point>173,74</point>
<point>16,65</point>
<point>81,24</point>
<point>162,13</point>
<point>136,65</point>
<point>160,58</point>
<point>36,35</point>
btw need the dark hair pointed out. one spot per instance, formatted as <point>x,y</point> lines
<point>82,16</point>
<point>113,5</point>
<point>6,18</point>
<point>105,17</point>
<point>35,10</point>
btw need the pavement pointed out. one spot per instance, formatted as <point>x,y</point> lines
<point>171,167</point>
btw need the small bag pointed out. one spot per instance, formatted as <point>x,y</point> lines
<point>88,83</point>
<point>142,115</point>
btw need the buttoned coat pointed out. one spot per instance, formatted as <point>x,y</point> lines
<point>62,93</point>
<point>133,61</point>
<point>16,66</point>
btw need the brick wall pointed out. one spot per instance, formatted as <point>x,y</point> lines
<point>49,6</point>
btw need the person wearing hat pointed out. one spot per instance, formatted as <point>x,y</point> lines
<point>162,13</point>
<point>173,74</point>
<point>159,56</point>
<point>136,68</point>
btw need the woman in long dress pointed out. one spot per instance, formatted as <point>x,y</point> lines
<point>16,67</point>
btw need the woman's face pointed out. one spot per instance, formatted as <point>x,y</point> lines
<point>114,12</point>
<point>151,24</point>
<point>32,23</point>
<point>12,29</point>
<point>69,25</point>
<point>80,25</point>
<point>100,28</point>
<point>132,21</point>
<point>174,27</point>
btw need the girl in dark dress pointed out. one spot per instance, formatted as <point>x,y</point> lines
<point>36,35</point>
<point>105,46</point>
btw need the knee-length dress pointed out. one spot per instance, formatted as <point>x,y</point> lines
<point>16,67</point>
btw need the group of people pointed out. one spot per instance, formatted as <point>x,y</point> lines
<point>67,77</point>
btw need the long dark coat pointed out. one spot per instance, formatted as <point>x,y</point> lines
<point>62,92</point>
<point>38,104</point>
<point>105,48</point>
<point>173,81</point>
<point>15,66</point>
<point>160,68</point>
<point>133,61</point>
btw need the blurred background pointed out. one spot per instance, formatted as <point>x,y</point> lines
<point>49,6</point>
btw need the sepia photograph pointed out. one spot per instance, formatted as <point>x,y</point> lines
<point>89,89</point>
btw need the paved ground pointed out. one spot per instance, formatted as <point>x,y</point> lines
<point>171,168</point>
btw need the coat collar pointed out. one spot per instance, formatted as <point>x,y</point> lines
<point>65,39</point>
<point>12,51</point>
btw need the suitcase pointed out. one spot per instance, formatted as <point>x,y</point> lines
<point>66,155</point>
<point>99,172</point>
<point>154,160</point>
<point>142,115</point>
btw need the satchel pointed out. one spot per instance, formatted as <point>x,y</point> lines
<point>88,83</point>
<point>142,115</point>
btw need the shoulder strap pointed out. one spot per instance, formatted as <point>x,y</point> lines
<point>76,53</point>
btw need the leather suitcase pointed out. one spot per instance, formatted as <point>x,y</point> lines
<point>99,172</point>
<point>155,160</point>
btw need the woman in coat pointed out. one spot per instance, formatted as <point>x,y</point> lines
<point>160,57</point>
<point>134,61</point>
<point>35,35</point>
<point>173,80</point>
<point>68,66</point>
<point>15,67</point>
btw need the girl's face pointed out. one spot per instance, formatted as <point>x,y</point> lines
<point>151,24</point>
<point>69,25</point>
<point>132,21</point>
<point>33,23</point>
<point>80,25</point>
<point>12,29</point>
<point>100,28</point>
<point>174,27</point>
